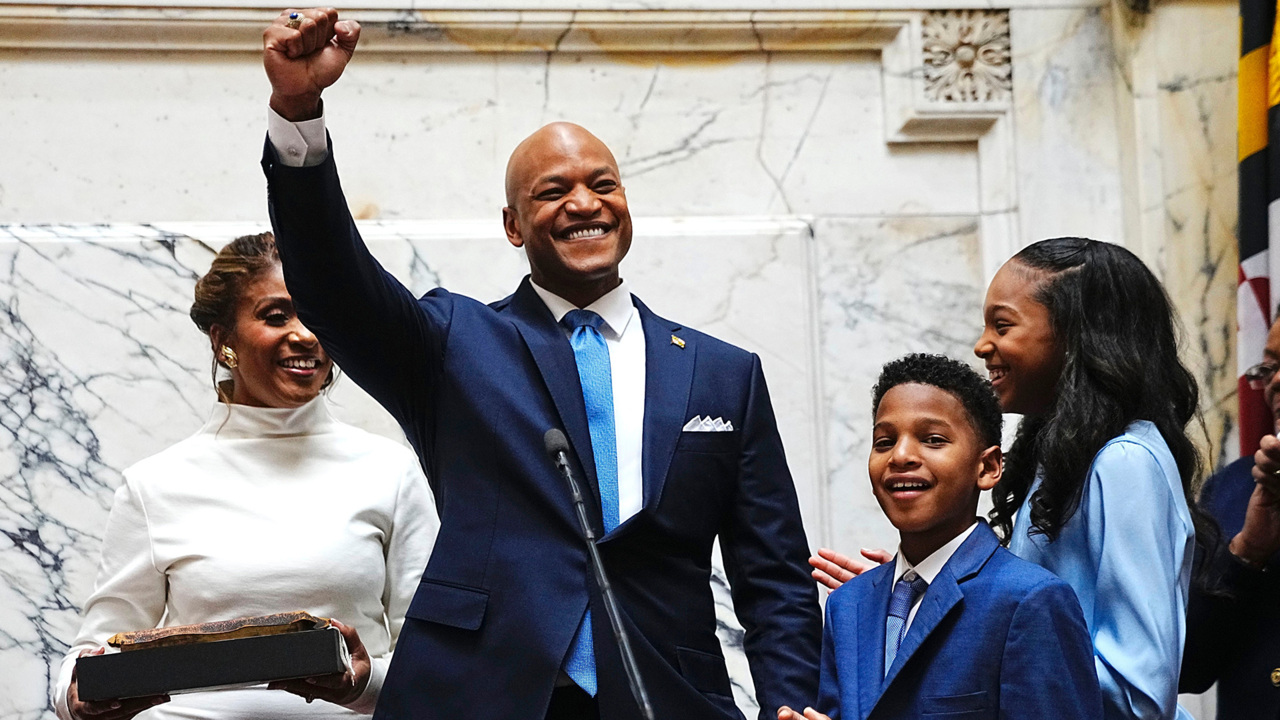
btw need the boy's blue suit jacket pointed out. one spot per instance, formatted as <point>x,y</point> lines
<point>994,637</point>
<point>474,388</point>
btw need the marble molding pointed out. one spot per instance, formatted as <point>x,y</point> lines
<point>520,6</point>
<point>966,56</point>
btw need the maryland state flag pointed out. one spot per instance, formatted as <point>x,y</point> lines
<point>1259,157</point>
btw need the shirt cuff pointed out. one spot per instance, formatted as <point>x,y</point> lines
<point>63,686</point>
<point>368,699</point>
<point>299,144</point>
<point>1241,577</point>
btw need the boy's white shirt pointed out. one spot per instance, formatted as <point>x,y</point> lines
<point>928,568</point>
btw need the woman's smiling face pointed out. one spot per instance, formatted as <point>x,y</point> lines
<point>280,363</point>
<point>1022,356</point>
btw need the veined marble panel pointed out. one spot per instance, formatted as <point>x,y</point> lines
<point>101,367</point>
<point>1067,137</point>
<point>1184,93</point>
<point>886,287</point>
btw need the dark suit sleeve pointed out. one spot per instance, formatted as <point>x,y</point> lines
<point>766,559</point>
<point>1221,609</point>
<point>829,680</point>
<point>1047,670</point>
<point>366,320</point>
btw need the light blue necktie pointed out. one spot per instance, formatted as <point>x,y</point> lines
<point>592,356</point>
<point>905,592</point>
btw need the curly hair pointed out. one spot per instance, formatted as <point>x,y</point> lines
<point>971,389</point>
<point>1119,336</point>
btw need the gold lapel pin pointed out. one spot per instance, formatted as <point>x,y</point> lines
<point>677,341</point>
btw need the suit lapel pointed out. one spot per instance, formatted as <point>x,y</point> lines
<point>872,611</point>
<point>668,370</point>
<point>945,593</point>
<point>554,357</point>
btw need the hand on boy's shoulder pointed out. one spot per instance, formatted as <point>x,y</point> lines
<point>786,713</point>
<point>834,569</point>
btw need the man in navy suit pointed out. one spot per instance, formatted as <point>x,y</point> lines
<point>956,626</point>
<point>672,431</point>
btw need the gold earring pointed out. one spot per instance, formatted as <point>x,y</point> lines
<point>228,357</point>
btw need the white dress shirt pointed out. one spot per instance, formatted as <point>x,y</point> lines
<point>928,568</point>
<point>624,337</point>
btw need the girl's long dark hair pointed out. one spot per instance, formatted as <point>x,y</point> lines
<point>1119,337</point>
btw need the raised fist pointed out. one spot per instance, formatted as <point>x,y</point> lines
<point>304,52</point>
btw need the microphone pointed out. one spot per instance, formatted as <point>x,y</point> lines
<point>557,446</point>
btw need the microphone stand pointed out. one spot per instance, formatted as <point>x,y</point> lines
<point>557,448</point>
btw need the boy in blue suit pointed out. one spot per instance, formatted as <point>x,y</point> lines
<point>956,625</point>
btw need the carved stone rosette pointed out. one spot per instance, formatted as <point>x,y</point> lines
<point>967,56</point>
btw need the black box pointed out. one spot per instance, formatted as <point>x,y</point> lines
<point>242,661</point>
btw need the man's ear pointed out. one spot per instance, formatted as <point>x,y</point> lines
<point>511,224</point>
<point>990,467</point>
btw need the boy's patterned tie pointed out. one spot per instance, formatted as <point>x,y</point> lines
<point>592,356</point>
<point>905,592</point>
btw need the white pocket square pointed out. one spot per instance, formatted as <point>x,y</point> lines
<point>707,424</point>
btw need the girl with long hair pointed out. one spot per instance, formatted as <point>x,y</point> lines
<point>1080,338</point>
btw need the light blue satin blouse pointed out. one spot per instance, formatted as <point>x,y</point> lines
<point>1127,554</point>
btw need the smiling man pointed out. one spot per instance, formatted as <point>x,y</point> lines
<point>566,207</point>
<point>672,431</point>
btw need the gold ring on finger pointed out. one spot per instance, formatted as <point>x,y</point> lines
<point>295,21</point>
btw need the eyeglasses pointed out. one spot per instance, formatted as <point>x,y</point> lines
<point>1259,375</point>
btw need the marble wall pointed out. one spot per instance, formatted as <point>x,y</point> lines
<point>1181,185</point>
<point>102,366</point>
<point>801,188</point>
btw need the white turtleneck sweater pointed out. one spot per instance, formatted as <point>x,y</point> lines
<point>263,510</point>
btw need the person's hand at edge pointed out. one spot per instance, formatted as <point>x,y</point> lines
<point>786,713</point>
<point>302,61</point>
<point>106,709</point>
<point>833,569</point>
<point>1259,539</point>
<point>337,688</point>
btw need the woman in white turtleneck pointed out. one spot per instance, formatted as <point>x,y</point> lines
<point>271,506</point>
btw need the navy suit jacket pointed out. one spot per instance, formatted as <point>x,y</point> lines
<point>475,387</point>
<point>995,636</point>
<point>1233,611</point>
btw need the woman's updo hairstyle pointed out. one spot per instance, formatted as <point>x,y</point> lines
<point>218,291</point>
<point>234,267</point>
